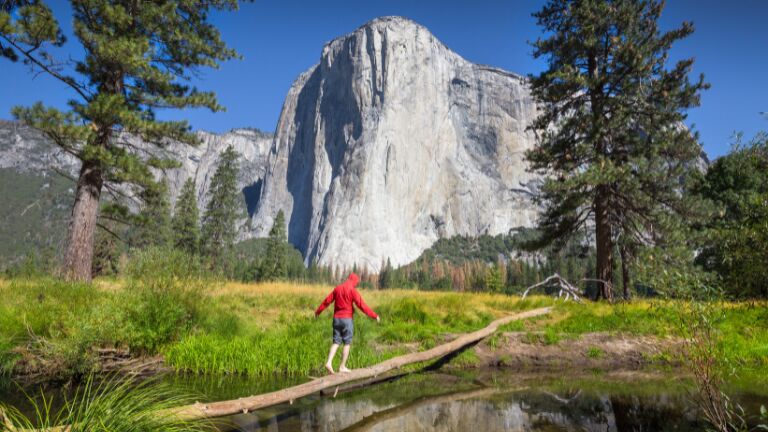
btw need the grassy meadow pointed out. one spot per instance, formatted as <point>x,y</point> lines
<point>214,327</point>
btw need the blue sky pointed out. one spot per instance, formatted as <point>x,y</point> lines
<point>281,39</point>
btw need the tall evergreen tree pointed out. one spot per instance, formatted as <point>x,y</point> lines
<point>186,219</point>
<point>224,206</point>
<point>610,134</point>
<point>153,224</point>
<point>385,275</point>
<point>138,57</point>
<point>275,262</point>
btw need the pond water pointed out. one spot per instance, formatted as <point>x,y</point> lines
<point>477,401</point>
<point>485,401</point>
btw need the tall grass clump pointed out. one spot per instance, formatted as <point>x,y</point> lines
<point>295,347</point>
<point>113,405</point>
<point>164,289</point>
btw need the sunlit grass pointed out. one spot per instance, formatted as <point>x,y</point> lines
<point>113,405</point>
<point>278,333</point>
<point>269,328</point>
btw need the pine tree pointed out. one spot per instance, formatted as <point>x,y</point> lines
<point>153,223</point>
<point>314,273</point>
<point>138,57</point>
<point>224,206</point>
<point>275,263</point>
<point>186,219</point>
<point>385,276</point>
<point>609,133</point>
<point>493,281</point>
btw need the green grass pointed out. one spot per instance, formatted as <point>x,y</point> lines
<point>269,329</point>
<point>494,340</point>
<point>112,405</point>
<point>595,353</point>
<point>204,326</point>
<point>466,359</point>
<point>298,345</point>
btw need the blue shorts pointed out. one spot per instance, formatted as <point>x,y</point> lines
<point>343,329</point>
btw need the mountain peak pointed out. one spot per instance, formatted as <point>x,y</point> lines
<point>389,23</point>
<point>391,20</point>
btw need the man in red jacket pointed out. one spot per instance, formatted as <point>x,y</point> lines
<point>344,297</point>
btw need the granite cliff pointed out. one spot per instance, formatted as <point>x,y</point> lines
<point>393,141</point>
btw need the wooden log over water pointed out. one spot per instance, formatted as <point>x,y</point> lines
<point>252,403</point>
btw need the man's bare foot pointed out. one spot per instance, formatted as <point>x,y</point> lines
<point>344,369</point>
<point>329,368</point>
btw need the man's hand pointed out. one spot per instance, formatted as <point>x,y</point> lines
<point>378,319</point>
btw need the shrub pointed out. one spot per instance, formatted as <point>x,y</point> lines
<point>165,294</point>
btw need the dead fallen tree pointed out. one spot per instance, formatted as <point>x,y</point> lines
<point>252,403</point>
<point>566,289</point>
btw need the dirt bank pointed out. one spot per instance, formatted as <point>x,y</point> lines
<point>592,350</point>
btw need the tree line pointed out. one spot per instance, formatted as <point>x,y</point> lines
<point>211,237</point>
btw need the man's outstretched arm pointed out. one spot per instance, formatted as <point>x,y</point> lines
<point>358,300</point>
<point>328,300</point>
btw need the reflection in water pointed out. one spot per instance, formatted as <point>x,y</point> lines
<point>488,401</point>
<point>430,404</point>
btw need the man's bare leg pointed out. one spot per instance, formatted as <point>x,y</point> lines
<point>344,357</point>
<point>331,355</point>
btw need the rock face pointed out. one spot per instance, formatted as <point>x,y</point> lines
<point>392,141</point>
<point>27,150</point>
<point>200,163</point>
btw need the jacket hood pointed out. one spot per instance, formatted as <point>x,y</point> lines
<point>353,278</point>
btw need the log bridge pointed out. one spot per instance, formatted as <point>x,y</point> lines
<point>199,411</point>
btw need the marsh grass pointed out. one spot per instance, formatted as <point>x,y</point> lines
<point>277,334</point>
<point>114,405</point>
<point>269,329</point>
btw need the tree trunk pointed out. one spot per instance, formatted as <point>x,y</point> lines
<point>626,282</point>
<point>604,245</point>
<point>603,238</point>
<point>79,255</point>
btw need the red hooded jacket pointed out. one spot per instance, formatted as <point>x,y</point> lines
<point>343,297</point>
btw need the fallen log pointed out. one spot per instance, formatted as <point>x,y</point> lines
<point>244,405</point>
